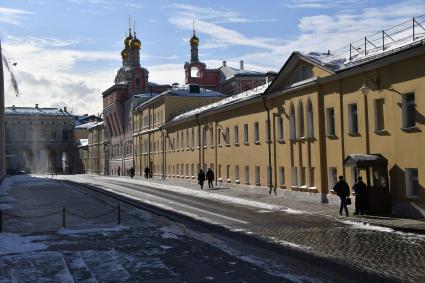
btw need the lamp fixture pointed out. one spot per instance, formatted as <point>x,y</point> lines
<point>365,89</point>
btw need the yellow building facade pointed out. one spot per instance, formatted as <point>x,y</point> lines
<point>315,121</point>
<point>95,161</point>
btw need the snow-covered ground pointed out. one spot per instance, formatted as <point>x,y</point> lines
<point>145,247</point>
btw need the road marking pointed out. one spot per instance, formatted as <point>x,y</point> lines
<point>264,211</point>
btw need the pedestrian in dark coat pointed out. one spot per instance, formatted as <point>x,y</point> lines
<point>343,191</point>
<point>131,172</point>
<point>210,178</point>
<point>119,171</point>
<point>361,190</point>
<point>201,178</point>
<point>147,172</point>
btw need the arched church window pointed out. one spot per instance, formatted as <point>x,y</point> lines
<point>195,72</point>
<point>310,126</point>
<point>300,120</point>
<point>138,81</point>
<point>292,133</point>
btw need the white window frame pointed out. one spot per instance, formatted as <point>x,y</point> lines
<point>353,120</point>
<point>236,135</point>
<point>409,111</point>
<point>330,122</point>
<point>257,175</point>
<point>281,176</point>
<point>256,133</point>
<point>245,134</point>
<point>379,106</point>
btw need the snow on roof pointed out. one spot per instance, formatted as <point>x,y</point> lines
<point>95,125</point>
<point>35,111</point>
<point>227,101</point>
<point>341,61</point>
<point>184,91</point>
<point>84,142</point>
<point>86,125</point>
<point>229,72</point>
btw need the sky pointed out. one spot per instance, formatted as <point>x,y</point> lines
<point>68,51</point>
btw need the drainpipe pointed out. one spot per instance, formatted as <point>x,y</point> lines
<point>269,146</point>
<point>199,140</point>
<point>164,157</point>
<point>215,153</point>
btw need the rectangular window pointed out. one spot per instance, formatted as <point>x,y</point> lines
<point>219,171</point>
<point>245,133</point>
<point>281,176</point>
<point>237,174</point>
<point>267,131</point>
<point>193,137</point>
<point>294,176</point>
<point>178,141</point>
<point>256,132</point>
<point>330,117</point>
<point>332,177</point>
<point>352,119</point>
<point>379,115</point>
<point>257,175</point>
<point>212,137</point>
<point>204,136</point>
<point>182,143</point>
<point>236,133</point>
<point>192,170</point>
<point>187,170</point>
<point>227,137</point>
<point>303,179</point>
<point>246,174</point>
<point>412,182</point>
<point>280,128</point>
<point>228,173</point>
<point>409,111</point>
<point>187,139</point>
<point>311,182</point>
<point>219,137</point>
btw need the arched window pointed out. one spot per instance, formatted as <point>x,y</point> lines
<point>195,72</point>
<point>300,120</point>
<point>310,125</point>
<point>292,133</point>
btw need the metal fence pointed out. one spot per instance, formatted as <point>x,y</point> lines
<point>63,215</point>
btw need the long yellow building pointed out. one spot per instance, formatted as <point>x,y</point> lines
<point>321,117</point>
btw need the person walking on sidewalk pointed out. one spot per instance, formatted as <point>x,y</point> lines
<point>132,172</point>
<point>210,178</point>
<point>147,172</point>
<point>201,178</point>
<point>360,188</point>
<point>343,191</point>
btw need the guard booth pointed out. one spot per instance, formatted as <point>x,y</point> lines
<point>374,171</point>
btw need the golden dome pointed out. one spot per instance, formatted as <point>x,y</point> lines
<point>124,53</point>
<point>135,43</point>
<point>194,40</point>
<point>127,40</point>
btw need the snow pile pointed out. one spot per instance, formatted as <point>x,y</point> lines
<point>367,226</point>
<point>227,101</point>
<point>15,243</point>
<point>5,199</point>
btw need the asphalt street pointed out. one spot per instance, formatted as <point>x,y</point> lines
<point>393,255</point>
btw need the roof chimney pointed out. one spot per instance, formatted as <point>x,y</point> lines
<point>224,63</point>
<point>64,109</point>
<point>36,105</point>
<point>241,65</point>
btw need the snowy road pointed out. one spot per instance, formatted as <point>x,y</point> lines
<point>397,255</point>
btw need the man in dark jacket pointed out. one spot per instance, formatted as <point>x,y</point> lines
<point>343,191</point>
<point>360,188</point>
<point>147,172</point>
<point>210,178</point>
<point>201,178</point>
<point>131,172</point>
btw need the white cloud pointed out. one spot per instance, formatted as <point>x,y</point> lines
<point>47,74</point>
<point>321,4</point>
<point>12,16</point>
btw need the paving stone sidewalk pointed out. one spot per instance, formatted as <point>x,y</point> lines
<point>262,195</point>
